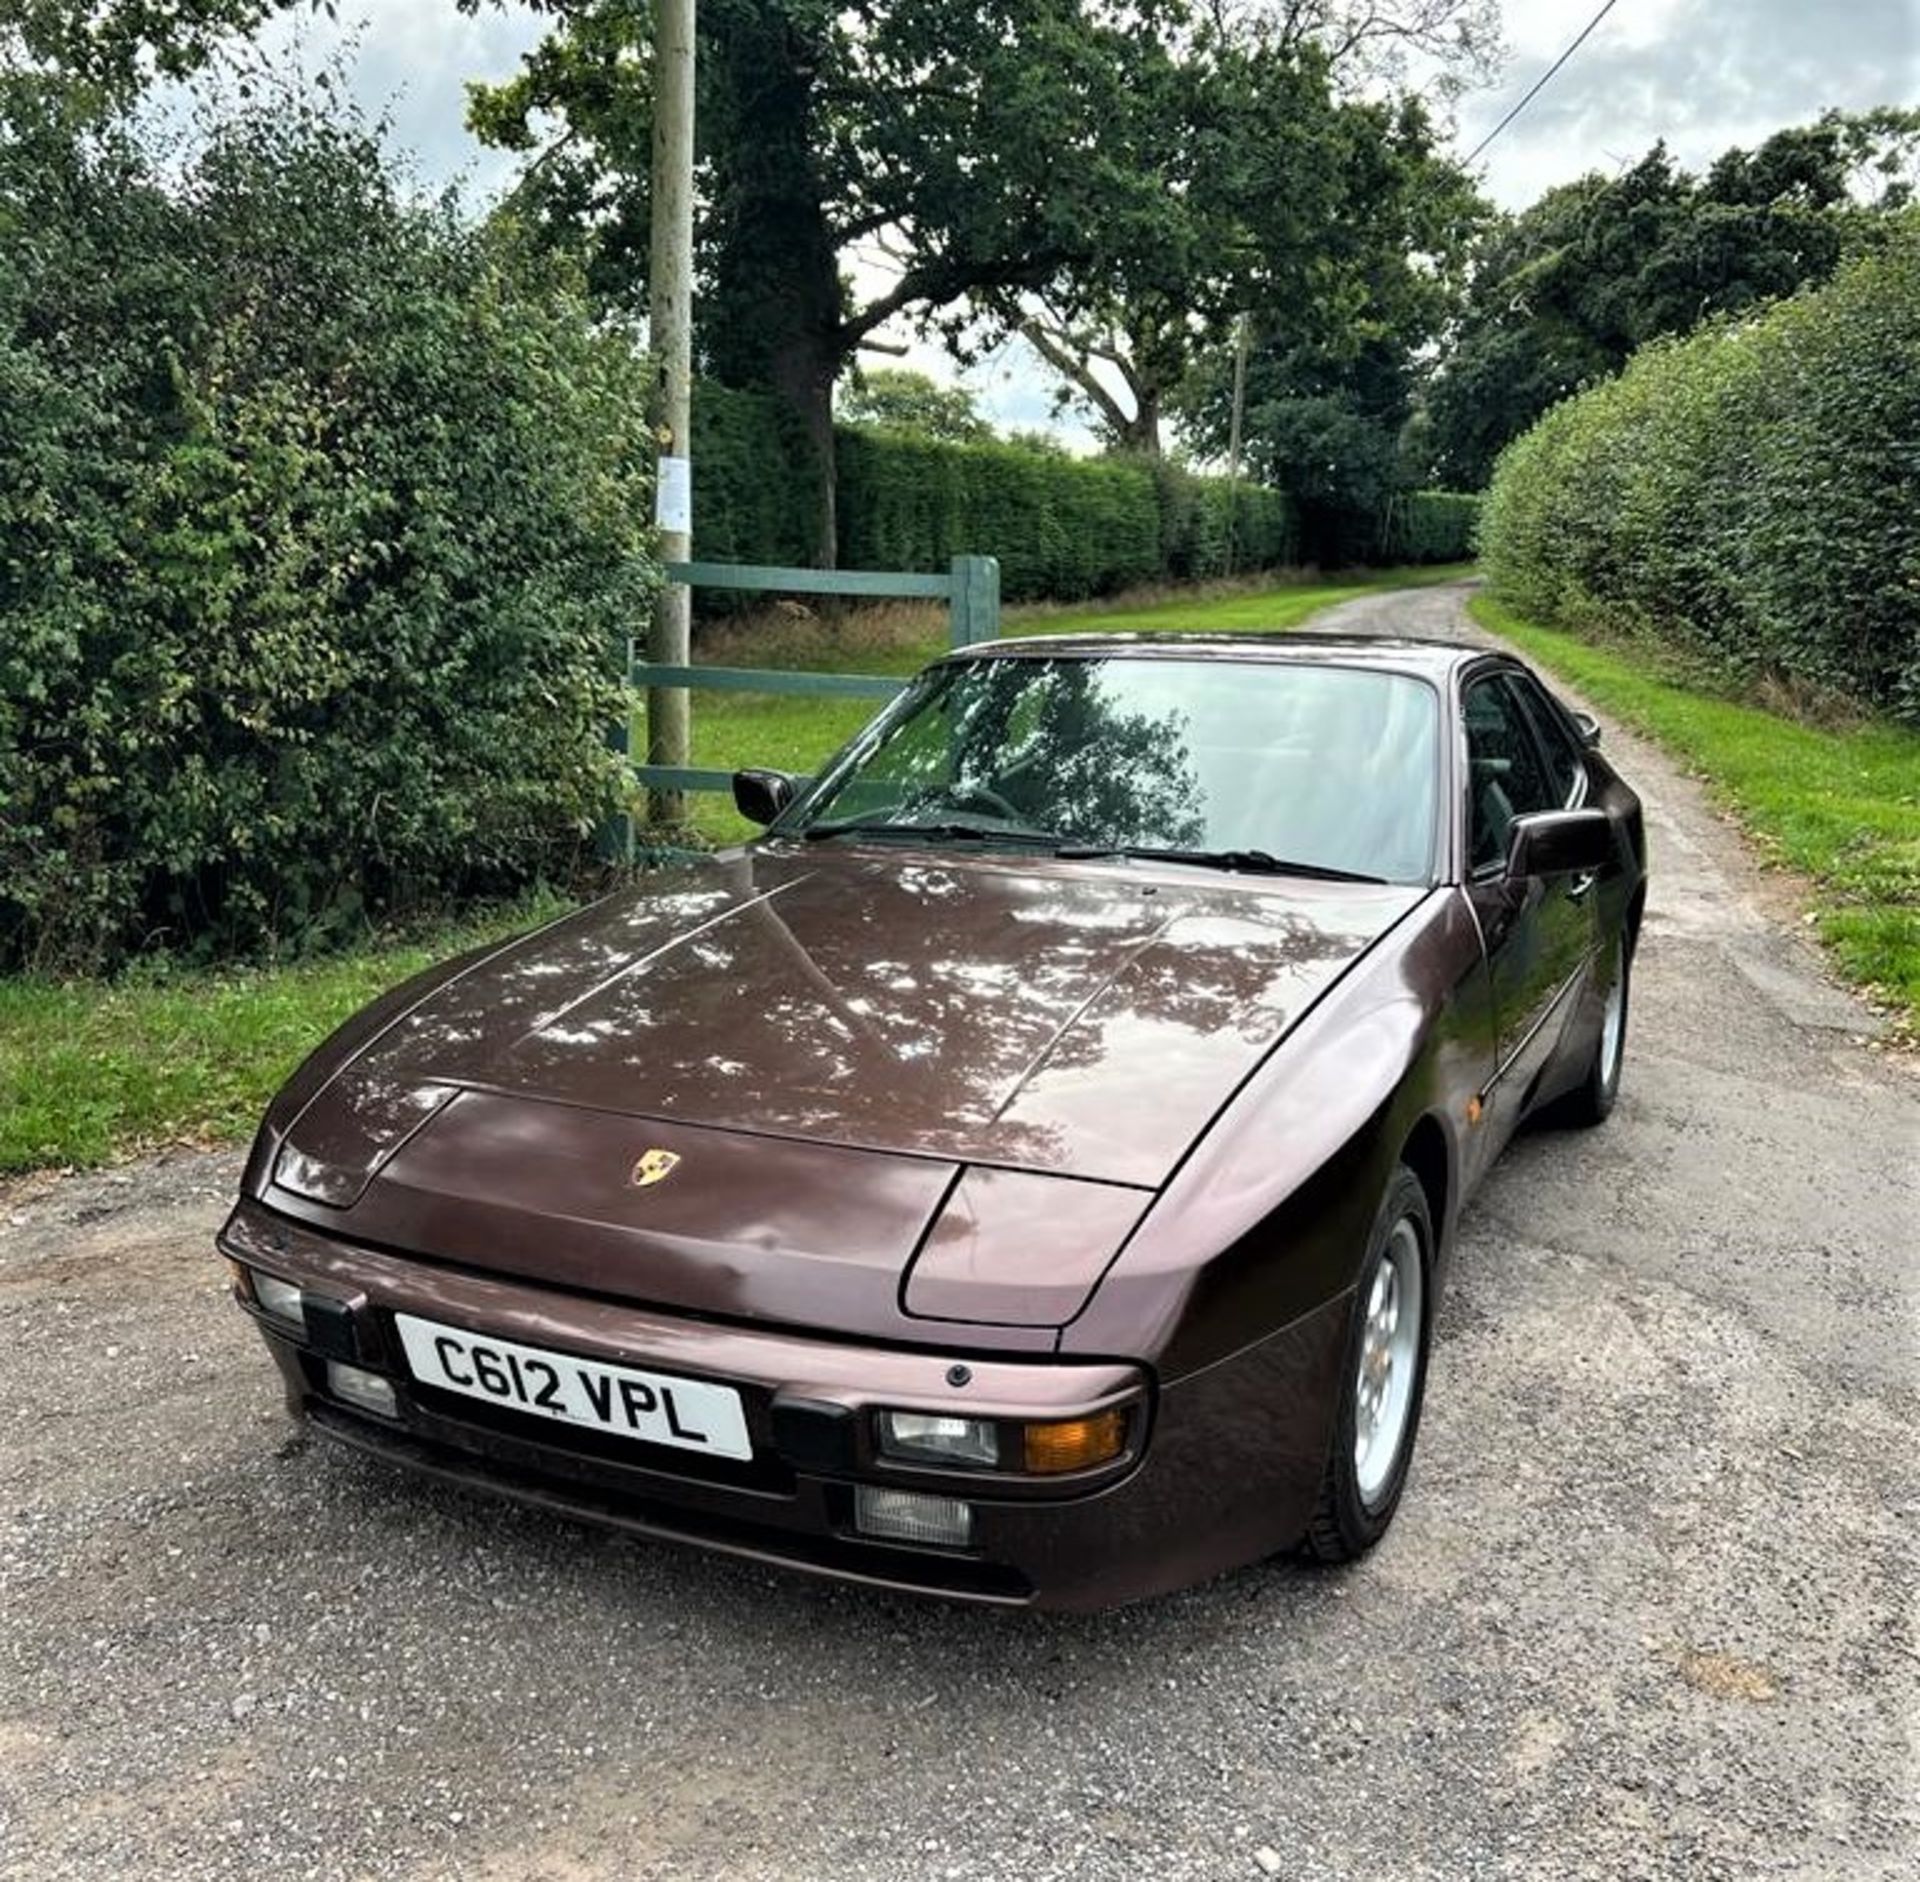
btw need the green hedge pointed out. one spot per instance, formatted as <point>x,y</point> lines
<point>1210,527</point>
<point>318,521</point>
<point>1063,527</point>
<point>1748,492</point>
<point>1430,526</point>
<point>755,500</point>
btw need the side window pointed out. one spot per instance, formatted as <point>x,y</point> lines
<point>1505,776</point>
<point>1564,763</point>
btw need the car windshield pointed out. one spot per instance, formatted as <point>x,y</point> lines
<point>1243,763</point>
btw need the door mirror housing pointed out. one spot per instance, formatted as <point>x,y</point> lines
<point>1559,843</point>
<point>1587,726</point>
<point>760,796</point>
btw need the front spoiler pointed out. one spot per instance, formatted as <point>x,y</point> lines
<point>1219,1470</point>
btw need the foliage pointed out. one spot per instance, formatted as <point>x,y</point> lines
<point>1748,492</point>
<point>1116,179</point>
<point>1563,293</point>
<point>171,1055</point>
<point>320,521</point>
<point>967,137</point>
<point>1332,361</point>
<point>1331,221</point>
<point>755,481</point>
<point>1430,526</point>
<point>1063,527</point>
<point>897,399</point>
<point>1838,805</point>
<point>112,46</point>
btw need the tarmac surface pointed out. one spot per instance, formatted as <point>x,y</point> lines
<point>1649,1609</point>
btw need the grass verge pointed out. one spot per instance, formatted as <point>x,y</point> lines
<point>1839,805</point>
<point>91,1072</point>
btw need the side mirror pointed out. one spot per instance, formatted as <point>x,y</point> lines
<point>1559,843</point>
<point>1587,726</point>
<point>760,796</point>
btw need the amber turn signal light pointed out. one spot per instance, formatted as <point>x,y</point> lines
<point>1075,1443</point>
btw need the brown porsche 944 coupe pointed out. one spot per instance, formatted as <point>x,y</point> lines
<point>1026,1173</point>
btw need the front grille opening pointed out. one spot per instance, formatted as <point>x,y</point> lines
<point>588,1498</point>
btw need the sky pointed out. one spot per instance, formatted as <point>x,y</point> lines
<point>1702,74</point>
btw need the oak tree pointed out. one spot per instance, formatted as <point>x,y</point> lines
<point>958,150</point>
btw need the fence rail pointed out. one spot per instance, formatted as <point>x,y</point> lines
<point>970,588</point>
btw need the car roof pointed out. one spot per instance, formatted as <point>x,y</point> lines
<point>1430,659</point>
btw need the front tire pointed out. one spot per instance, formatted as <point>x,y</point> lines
<point>1383,1380</point>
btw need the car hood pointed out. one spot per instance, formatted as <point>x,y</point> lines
<point>1087,1022</point>
<point>903,1086</point>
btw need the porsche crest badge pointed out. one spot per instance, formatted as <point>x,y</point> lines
<point>654,1166</point>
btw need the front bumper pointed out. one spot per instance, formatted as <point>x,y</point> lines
<point>1216,1471</point>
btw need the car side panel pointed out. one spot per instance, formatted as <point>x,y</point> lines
<point>1267,1219</point>
<point>1542,937</point>
<point>1617,897</point>
<point>1231,1477</point>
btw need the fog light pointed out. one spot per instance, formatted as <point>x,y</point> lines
<point>907,1516</point>
<point>1076,1443</point>
<point>939,1439</point>
<point>363,1388</point>
<point>280,1298</point>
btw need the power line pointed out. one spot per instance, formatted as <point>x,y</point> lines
<point>1539,84</point>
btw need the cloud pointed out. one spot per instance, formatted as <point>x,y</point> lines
<point>408,63</point>
<point>1701,74</point>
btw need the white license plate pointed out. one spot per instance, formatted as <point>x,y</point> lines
<point>690,1414</point>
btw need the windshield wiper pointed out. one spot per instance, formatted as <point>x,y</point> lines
<point>949,831</point>
<point>1242,862</point>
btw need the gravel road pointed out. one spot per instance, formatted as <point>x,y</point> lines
<point>1649,1609</point>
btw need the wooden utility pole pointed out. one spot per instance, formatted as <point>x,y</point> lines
<point>1233,441</point>
<point>670,333</point>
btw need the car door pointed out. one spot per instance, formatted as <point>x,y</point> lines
<point>1540,933</point>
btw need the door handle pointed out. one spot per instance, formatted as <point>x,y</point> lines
<point>1579,886</point>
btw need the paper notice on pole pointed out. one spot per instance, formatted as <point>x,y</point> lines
<point>673,496</point>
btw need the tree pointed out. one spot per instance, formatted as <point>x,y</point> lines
<point>1331,224</point>
<point>1242,147</point>
<point>896,399</point>
<point>1565,292</point>
<point>966,140</point>
<point>114,46</point>
<point>1333,355</point>
<point>1373,41</point>
<point>1265,128</point>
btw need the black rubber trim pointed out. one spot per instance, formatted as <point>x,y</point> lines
<point>958,1577</point>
